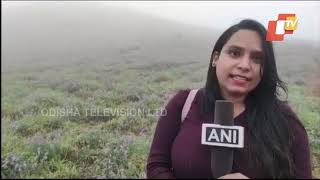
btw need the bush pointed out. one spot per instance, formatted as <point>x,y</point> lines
<point>138,153</point>
<point>71,86</point>
<point>30,125</point>
<point>113,161</point>
<point>43,152</point>
<point>40,100</point>
<point>91,110</point>
<point>13,166</point>
<point>43,138</point>
<point>162,78</point>
<point>92,140</point>
<point>12,92</point>
<point>38,161</point>
<point>123,157</point>
<point>128,124</point>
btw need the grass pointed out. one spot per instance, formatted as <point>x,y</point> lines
<point>80,145</point>
<point>308,110</point>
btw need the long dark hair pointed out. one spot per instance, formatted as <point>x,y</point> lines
<point>270,137</point>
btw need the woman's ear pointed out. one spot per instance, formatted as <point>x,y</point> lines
<point>215,58</point>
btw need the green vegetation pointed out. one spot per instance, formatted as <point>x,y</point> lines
<point>308,110</point>
<point>91,144</point>
<point>64,68</point>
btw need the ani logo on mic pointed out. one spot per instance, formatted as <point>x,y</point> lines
<point>224,136</point>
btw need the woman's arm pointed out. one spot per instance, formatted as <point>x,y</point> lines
<point>159,160</point>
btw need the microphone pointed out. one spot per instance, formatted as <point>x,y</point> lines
<point>223,136</point>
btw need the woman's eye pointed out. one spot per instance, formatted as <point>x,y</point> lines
<point>234,53</point>
<point>257,60</point>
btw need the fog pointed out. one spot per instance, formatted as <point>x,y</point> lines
<point>221,15</point>
<point>150,31</point>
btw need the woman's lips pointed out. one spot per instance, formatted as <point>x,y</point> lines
<point>239,79</point>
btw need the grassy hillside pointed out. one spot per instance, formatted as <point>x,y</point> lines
<point>36,144</point>
<point>53,94</point>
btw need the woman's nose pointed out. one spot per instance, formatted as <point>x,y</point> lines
<point>244,63</point>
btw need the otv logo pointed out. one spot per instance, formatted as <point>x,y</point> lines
<point>285,24</point>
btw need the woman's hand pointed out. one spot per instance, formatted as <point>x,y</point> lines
<point>234,176</point>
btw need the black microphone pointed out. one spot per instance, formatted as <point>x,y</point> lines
<point>223,136</point>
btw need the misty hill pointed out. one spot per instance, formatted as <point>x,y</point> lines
<point>60,34</point>
<point>88,59</point>
<point>94,31</point>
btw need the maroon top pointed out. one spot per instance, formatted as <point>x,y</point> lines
<point>176,150</point>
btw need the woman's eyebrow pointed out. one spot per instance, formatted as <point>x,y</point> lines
<point>257,53</point>
<point>236,47</point>
<point>242,49</point>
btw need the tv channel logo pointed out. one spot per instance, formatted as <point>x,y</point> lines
<point>285,24</point>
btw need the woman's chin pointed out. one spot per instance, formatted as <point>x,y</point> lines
<point>238,91</point>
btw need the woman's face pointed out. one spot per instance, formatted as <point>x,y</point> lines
<point>239,62</point>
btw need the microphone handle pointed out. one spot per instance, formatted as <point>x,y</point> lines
<point>222,157</point>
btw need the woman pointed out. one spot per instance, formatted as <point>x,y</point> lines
<point>242,69</point>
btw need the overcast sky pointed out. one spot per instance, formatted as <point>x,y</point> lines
<point>221,15</point>
<point>218,15</point>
